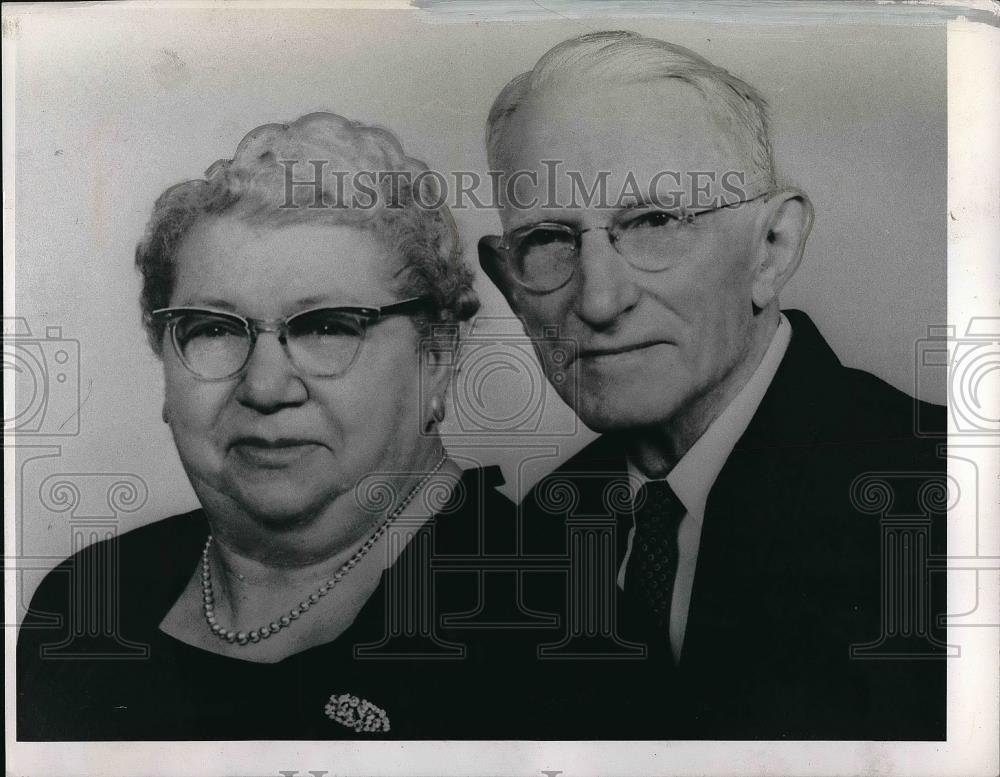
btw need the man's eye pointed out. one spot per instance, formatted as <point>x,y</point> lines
<point>654,219</point>
<point>539,238</point>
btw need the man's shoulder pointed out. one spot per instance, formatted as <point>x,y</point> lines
<point>590,485</point>
<point>601,456</point>
<point>880,403</point>
<point>587,474</point>
<point>823,428</point>
<point>476,514</point>
<point>869,412</point>
<point>814,391</point>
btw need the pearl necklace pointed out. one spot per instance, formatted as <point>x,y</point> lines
<point>256,635</point>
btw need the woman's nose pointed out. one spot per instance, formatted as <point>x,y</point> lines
<point>271,381</point>
<point>606,288</point>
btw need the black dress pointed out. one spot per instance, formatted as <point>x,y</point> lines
<point>77,681</point>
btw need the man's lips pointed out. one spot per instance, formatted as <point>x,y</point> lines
<point>600,352</point>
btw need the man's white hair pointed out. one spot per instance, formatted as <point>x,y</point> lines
<point>620,58</point>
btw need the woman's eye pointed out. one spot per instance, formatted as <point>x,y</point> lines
<point>325,326</point>
<point>208,329</point>
<point>330,329</point>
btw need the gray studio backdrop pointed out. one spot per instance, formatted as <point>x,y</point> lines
<point>113,105</point>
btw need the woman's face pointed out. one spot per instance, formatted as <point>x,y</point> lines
<point>277,444</point>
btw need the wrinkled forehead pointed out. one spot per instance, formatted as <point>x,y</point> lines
<point>660,136</point>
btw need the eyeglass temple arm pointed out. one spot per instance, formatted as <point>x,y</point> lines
<point>403,306</point>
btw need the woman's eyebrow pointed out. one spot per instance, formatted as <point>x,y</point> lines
<point>327,300</point>
<point>208,302</point>
<point>308,302</point>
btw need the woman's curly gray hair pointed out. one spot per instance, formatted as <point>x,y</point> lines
<point>365,180</point>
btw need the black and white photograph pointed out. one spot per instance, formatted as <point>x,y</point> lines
<point>528,388</point>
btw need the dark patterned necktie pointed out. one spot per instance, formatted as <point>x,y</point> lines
<point>652,566</point>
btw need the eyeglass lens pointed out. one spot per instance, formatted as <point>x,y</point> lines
<point>320,342</point>
<point>545,256</point>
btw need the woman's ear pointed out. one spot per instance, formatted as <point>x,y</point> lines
<point>491,259</point>
<point>787,220</point>
<point>438,356</point>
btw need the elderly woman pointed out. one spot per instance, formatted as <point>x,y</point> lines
<point>303,298</point>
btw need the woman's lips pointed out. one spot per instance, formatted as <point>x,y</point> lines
<point>272,454</point>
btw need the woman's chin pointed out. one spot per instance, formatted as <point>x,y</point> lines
<point>281,505</point>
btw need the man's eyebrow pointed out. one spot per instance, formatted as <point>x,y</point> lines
<point>638,203</point>
<point>563,222</point>
<point>666,202</point>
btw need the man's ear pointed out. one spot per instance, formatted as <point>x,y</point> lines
<point>491,259</point>
<point>788,217</point>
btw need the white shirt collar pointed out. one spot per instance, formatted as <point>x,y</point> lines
<point>694,475</point>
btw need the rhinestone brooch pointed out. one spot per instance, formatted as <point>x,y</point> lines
<point>356,713</point>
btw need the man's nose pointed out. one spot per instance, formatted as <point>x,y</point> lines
<point>271,381</point>
<point>606,287</point>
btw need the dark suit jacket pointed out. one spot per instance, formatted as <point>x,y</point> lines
<point>814,612</point>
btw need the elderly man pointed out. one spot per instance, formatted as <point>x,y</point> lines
<point>752,579</point>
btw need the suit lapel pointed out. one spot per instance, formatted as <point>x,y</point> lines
<point>754,504</point>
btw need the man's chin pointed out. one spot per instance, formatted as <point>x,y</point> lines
<point>604,417</point>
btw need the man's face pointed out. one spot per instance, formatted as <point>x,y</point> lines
<point>652,345</point>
